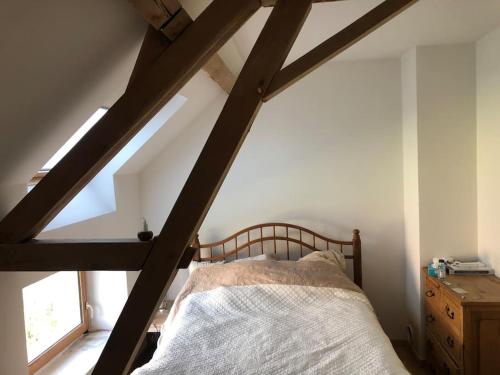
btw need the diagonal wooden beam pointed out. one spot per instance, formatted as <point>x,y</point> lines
<point>126,117</point>
<point>79,255</point>
<point>201,187</point>
<point>336,44</point>
<point>166,16</point>
<point>157,12</point>
<point>153,46</point>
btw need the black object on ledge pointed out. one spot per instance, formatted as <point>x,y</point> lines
<point>145,234</point>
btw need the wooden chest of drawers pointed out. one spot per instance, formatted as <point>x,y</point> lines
<point>462,317</point>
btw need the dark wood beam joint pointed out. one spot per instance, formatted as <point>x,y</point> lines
<point>156,12</point>
<point>176,25</point>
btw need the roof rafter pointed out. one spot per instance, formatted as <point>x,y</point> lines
<point>338,43</point>
<point>231,128</point>
<point>125,118</point>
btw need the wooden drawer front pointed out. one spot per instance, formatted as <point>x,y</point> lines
<point>452,314</point>
<point>446,337</point>
<point>439,360</point>
<point>432,292</point>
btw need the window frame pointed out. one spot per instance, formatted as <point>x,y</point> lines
<point>46,356</point>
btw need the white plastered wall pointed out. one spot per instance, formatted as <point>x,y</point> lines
<point>325,154</point>
<point>488,147</point>
<point>439,129</point>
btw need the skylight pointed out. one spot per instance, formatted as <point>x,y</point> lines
<point>70,143</point>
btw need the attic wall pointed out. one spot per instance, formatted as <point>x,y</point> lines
<point>439,129</point>
<point>488,150</point>
<point>56,71</point>
<point>325,154</point>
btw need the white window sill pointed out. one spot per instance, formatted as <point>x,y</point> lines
<point>79,358</point>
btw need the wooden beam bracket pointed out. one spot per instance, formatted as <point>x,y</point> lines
<point>176,24</point>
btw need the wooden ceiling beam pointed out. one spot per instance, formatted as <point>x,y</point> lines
<point>157,12</point>
<point>157,39</point>
<point>153,46</point>
<point>170,72</point>
<point>79,255</point>
<point>64,255</point>
<point>338,43</point>
<point>203,183</point>
<point>217,69</point>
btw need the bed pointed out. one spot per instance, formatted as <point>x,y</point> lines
<point>274,299</point>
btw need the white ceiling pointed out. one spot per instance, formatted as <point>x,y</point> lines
<point>428,22</point>
<point>62,59</point>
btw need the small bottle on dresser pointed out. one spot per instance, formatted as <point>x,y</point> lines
<point>441,270</point>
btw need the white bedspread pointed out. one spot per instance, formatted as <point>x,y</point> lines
<point>274,329</point>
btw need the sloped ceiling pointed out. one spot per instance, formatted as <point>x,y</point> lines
<point>62,59</point>
<point>428,22</point>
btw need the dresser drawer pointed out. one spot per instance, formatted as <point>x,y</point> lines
<point>452,314</point>
<point>448,339</point>
<point>432,292</point>
<point>439,359</point>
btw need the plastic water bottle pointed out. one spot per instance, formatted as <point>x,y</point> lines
<point>441,271</point>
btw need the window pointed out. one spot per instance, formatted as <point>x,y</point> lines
<point>70,143</point>
<point>54,315</point>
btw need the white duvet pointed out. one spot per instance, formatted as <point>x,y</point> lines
<point>274,329</point>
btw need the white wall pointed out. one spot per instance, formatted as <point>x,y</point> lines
<point>411,188</point>
<point>447,150</point>
<point>326,154</point>
<point>488,147</point>
<point>439,130</point>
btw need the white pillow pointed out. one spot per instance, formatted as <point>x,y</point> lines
<point>327,256</point>
<point>195,265</point>
<point>259,257</point>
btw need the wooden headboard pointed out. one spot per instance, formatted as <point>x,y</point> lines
<point>285,240</point>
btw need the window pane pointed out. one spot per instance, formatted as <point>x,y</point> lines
<point>51,310</point>
<point>70,143</point>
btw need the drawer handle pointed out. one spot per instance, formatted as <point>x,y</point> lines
<point>430,318</point>
<point>449,312</point>
<point>430,293</point>
<point>450,341</point>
